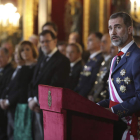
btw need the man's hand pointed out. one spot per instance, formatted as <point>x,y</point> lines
<point>34,106</point>
<point>4,104</point>
<point>90,97</point>
<point>109,109</point>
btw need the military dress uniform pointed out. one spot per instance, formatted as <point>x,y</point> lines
<point>75,69</point>
<point>89,74</point>
<point>100,88</point>
<point>124,85</point>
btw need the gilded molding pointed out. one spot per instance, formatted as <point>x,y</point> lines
<point>101,16</point>
<point>28,18</point>
<point>86,21</point>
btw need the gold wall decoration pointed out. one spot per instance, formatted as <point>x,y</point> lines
<point>86,16</point>
<point>101,16</point>
<point>135,10</point>
<point>29,11</point>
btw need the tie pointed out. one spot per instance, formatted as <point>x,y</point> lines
<point>120,53</point>
<point>43,64</point>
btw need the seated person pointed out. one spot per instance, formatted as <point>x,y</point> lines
<point>74,52</point>
<point>62,47</point>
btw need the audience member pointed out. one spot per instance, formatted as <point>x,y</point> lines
<point>74,53</point>
<point>62,47</point>
<point>74,37</point>
<point>100,88</point>
<point>6,71</point>
<point>34,39</point>
<point>91,68</point>
<point>137,40</point>
<point>51,26</point>
<point>10,48</point>
<point>17,90</point>
<point>52,69</point>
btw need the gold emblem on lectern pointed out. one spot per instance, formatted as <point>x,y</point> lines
<point>49,99</point>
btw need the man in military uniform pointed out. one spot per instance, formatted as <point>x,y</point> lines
<point>91,68</point>
<point>74,53</point>
<point>124,77</point>
<point>100,89</point>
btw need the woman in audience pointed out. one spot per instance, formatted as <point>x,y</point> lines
<point>22,130</point>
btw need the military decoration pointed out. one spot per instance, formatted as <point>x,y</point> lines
<point>118,80</point>
<point>103,63</point>
<point>127,80</point>
<point>123,72</point>
<point>86,71</point>
<point>122,88</point>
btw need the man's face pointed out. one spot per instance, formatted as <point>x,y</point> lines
<point>73,38</point>
<point>50,28</point>
<point>105,44</point>
<point>3,59</point>
<point>118,31</point>
<point>62,49</point>
<point>47,43</point>
<point>93,42</point>
<point>72,53</point>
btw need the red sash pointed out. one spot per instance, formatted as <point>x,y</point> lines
<point>134,123</point>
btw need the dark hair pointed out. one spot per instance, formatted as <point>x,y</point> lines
<point>126,18</point>
<point>62,43</point>
<point>97,34</point>
<point>51,24</point>
<point>6,52</point>
<point>43,33</point>
<point>77,46</point>
<point>33,48</point>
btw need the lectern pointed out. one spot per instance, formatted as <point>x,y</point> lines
<point>69,116</point>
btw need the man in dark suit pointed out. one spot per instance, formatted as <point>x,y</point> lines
<point>124,77</point>
<point>51,26</point>
<point>6,71</point>
<point>52,69</point>
<point>74,52</point>
<point>91,68</point>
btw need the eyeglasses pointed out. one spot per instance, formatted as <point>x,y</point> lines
<point>47,41</point>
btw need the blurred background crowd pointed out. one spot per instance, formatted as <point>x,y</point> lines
<point>42,47</point>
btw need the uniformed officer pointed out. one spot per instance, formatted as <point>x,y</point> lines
<point>125,70</point>
<point>74,53</point>
<point>100,89</point>
<point>91,68</point>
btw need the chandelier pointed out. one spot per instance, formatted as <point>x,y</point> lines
<point>9,19</point>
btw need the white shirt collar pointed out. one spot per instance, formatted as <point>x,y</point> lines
<point>94,54</point>
<point>125,49</point>
<point>106,57</point>
<point>52,53</point>
<point>73,63</point>
<point>19,67</point>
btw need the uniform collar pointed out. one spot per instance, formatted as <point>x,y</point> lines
<point>125,49</point>
<point>107,57</point>
<point>94,54</point>
<point>73,63</point>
